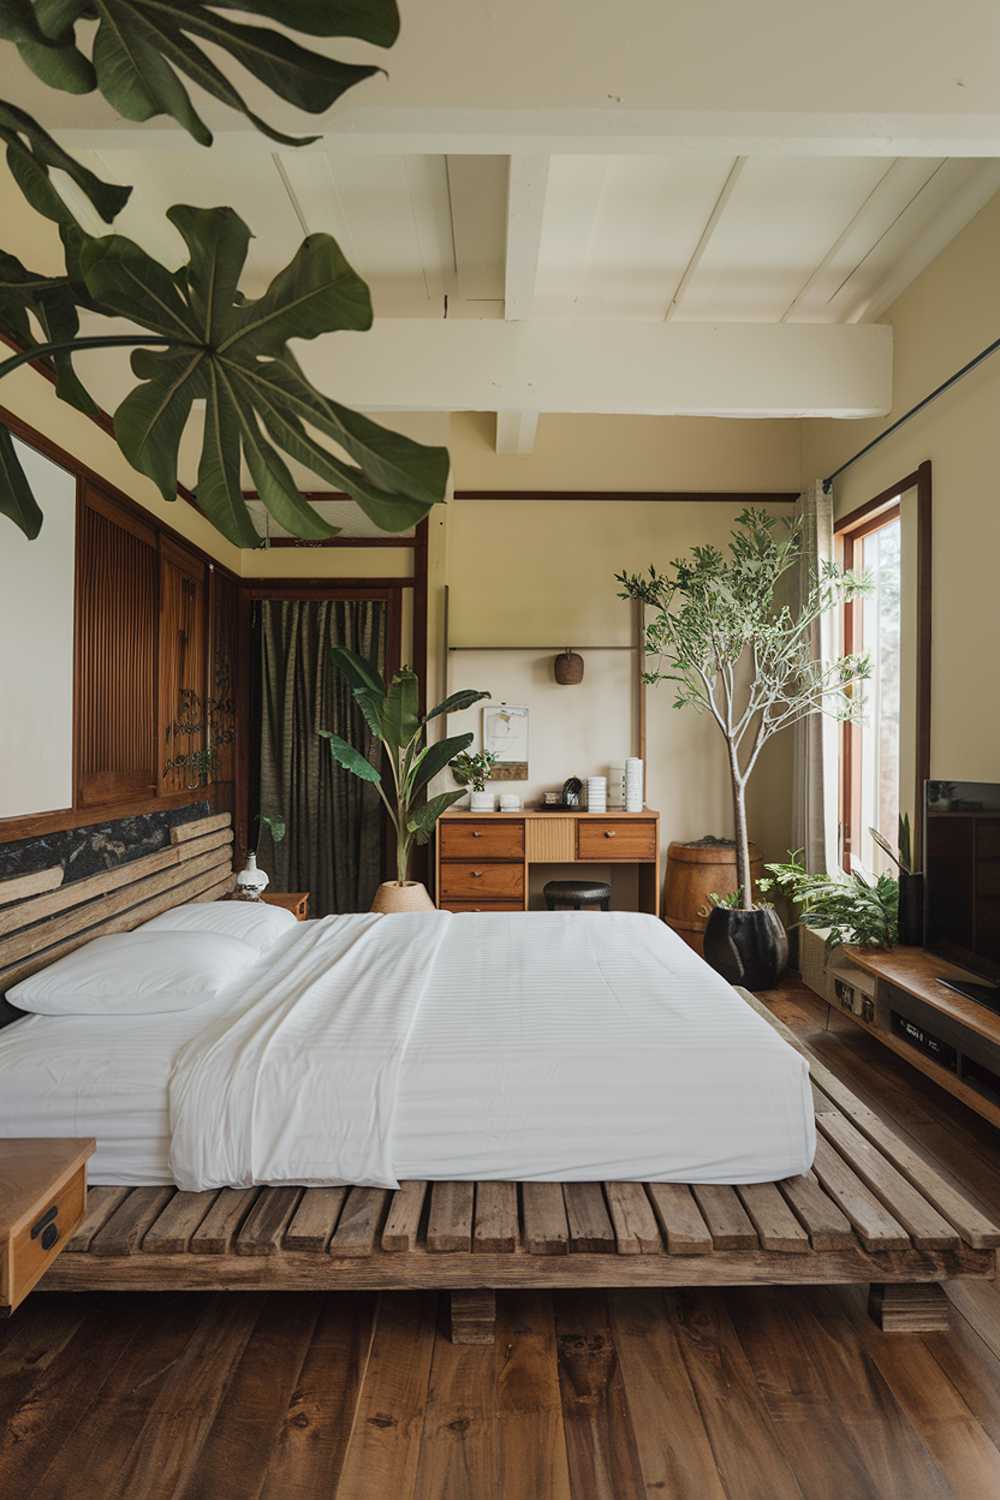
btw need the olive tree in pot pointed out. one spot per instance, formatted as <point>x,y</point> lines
<point>393,716</point>
<point>733,649</point>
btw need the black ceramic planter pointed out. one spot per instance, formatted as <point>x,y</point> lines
<point>911,909</point>
<point>747,947</point>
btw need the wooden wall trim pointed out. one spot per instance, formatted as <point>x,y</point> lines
<point>656,497</point>
<point>878,503</point>
<point>111,492</point>
<point>318,588</point>
<point>420,602</point>
<point>100,417</point>
<point>37,825</point>
<point>856,524</point>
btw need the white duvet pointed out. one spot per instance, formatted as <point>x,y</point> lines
<point>366,1049</point>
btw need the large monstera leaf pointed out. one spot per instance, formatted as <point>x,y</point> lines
<point>142,46</point>
<point>231,353</point>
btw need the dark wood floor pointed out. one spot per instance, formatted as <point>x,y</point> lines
<point>749,1394</point>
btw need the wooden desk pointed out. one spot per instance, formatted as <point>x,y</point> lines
<point>483,860</point>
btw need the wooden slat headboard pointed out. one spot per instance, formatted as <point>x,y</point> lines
<point>50,920</point>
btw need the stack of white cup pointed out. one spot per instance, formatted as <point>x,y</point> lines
<point>597,794</point>
<point>633,784</point>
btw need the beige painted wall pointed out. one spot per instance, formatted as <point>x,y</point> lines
<point>542,573</point>
<point>948,314</point>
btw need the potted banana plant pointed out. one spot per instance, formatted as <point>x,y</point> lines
<point>393,716</point>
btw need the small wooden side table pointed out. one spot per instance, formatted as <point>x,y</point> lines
<point>43,1194</point>
<point>297,902</point>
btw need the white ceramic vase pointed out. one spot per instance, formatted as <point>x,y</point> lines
<point>482,802</point>
<point>252,882</point>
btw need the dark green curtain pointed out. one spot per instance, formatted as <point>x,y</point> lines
<point>333,845</point>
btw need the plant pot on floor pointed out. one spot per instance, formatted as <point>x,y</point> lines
<point>747,947</point>
<point>411,895</point>
<point>911,908</point>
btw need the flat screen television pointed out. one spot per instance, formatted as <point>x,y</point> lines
<point>962,883</point>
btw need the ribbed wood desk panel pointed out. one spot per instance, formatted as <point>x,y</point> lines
<point>484,860</point>
<point>872,1210</point>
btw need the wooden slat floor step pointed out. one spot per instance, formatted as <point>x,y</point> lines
<point>869,1193</point>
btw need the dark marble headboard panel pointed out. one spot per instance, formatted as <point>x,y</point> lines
<point>88,851</point>
<point>99,846</point>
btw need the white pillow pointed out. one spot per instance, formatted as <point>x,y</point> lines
<point>136,973</point>
<point>253,922</point>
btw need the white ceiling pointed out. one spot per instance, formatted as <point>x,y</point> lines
<point>768,240</point>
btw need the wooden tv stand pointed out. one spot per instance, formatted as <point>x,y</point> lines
<point>908,993</point>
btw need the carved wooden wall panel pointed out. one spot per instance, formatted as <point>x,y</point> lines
<point>117,594</point>
<point>182,708</point>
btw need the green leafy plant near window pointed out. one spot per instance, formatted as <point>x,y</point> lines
<point>198,337</point>
<point>849,908</point>
<point>733,649</point>
<point>393,716</point>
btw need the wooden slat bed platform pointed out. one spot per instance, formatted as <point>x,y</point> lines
<point>872,1210</point>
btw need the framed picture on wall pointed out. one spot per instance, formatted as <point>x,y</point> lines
<point>505,734</point>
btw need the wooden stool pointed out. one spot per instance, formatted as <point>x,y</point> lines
<point>581,895</point>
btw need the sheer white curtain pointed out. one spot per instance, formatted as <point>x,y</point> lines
<point>814,773</point>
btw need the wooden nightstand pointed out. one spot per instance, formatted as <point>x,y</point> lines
<point>43,1194</point>
<point>297,902</point>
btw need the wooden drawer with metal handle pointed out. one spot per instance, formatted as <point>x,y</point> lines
<point>468,840</point>
<point>483,906</point>
<point>481,882</point>
<point>609,839</point>
<point>43,1194</point>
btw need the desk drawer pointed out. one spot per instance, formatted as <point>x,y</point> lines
<point>608,839</point>
<point>483,906</point>
<point>468,840</point>
<point>481,882</point>
<point>54,1224</point>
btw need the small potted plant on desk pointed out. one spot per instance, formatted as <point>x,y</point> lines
<point>394,719</point>
<point>473,771</point>
<point>735,651</point>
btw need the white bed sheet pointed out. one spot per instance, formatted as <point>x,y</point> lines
<point>567,1046</point>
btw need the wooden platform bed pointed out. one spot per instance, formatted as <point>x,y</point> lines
<point>871,1211</point>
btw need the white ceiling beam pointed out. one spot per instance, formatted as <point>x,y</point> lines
<point>589,365</point>
<point>527,185</point>
<point>718,208</point>
<point>364,129</point>
<point>516,432</point>
<point>950,219</point>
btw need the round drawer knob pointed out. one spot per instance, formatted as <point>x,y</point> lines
<point>476,833</point>
<point>476,874</point>
<point>609,833</point>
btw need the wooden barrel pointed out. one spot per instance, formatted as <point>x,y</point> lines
<point>693,870</point>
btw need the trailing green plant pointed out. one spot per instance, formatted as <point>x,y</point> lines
<point>275,825</point>
<point>212,343</point>
<point>734,650</point>
<point>393,716</point>
<point>849,908</point>
<point>902,855</point>
<point>473,770</point>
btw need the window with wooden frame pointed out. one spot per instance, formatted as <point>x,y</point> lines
<point>870,750</point>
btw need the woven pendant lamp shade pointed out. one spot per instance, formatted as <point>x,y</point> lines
<point>569,668</point>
